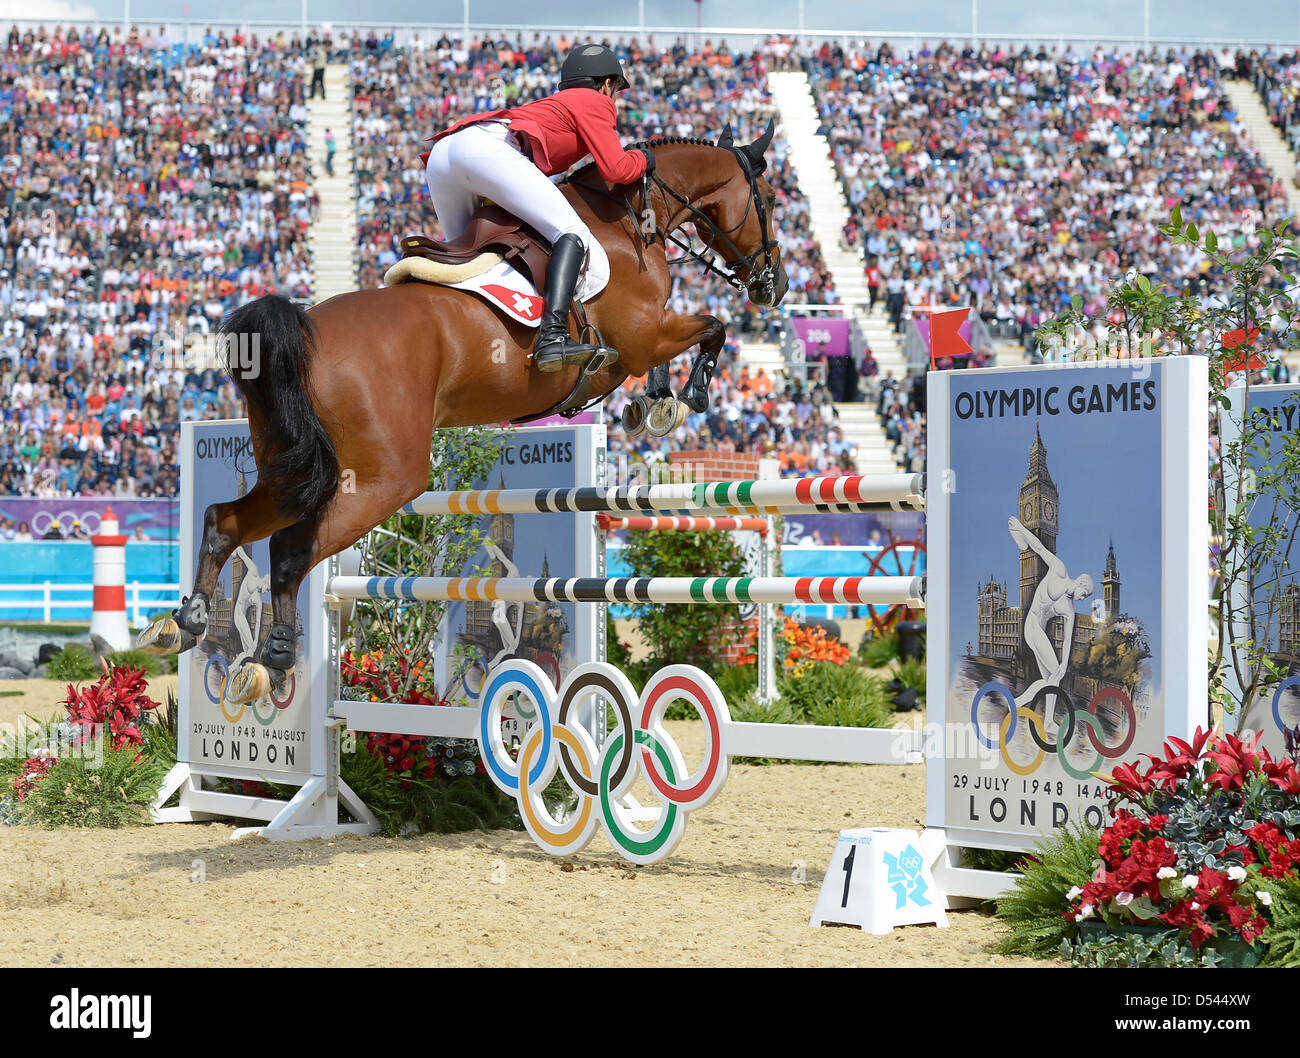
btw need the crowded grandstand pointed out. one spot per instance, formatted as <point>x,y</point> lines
<point>150,185</point>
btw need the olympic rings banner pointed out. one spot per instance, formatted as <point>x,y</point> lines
<point>639,745</point>
<point>272,736</point>
<point>1275,411</point>
<point>1067,597</point>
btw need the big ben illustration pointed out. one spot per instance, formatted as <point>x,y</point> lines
<point>1039,513</point>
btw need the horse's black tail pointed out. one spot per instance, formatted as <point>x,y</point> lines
<point>268,344</point>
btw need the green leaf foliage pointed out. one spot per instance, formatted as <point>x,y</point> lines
<point>80,792</point>
<point>878,651</point>
<point>694,634</point>
<point>1035,908</point>
<point>72,664</point>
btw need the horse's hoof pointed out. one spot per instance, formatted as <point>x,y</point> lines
<point>165,636</point>
<point>679,418</point>
<point>250,682</point>
<point>697,400</point>
<point>663,418</point>
<point>634,416</point>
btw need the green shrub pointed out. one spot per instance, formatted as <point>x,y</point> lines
<point>365,773</point>
<point>878,651</point>
<point>1282,938</point>
<point>737,682</point>
<point>910,672</point>
<point>827,689</point>
<point>77,793</point>
<point>751,711</point>
<point>1035,908</point>
<point>442,804</point>
<point>138,659</point>
<point>864,706</point>
<point>694,634</point>
<point>72,664</point>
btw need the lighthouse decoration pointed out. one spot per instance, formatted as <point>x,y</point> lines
<point>108,619</point>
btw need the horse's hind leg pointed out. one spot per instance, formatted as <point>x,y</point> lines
<point>291,561</point>
<point>226,526</point>
<point>297,548</point>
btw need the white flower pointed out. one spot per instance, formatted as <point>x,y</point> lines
<point>1166,872</point>
<point>1195,906</point>
<point>1086,911</point>
<point>1237,873</point>
<point>1191,881</point>
<point>1124,899</point>
<point>1265,897</point>
<point>1074,894</point>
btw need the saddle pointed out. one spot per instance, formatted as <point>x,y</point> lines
<point>491,236</point>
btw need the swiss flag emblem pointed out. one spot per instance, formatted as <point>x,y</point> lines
<point>528,307</point>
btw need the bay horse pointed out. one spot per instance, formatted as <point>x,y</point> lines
<point>358,383</point>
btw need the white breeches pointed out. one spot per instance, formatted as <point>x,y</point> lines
<point>479,161</point>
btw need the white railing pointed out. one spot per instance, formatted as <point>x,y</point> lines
<point>47,603</point>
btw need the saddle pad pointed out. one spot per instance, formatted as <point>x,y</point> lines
<point>506,287</point>
<point>509,290</point>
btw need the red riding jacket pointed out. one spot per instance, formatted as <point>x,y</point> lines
<point>564,127</point>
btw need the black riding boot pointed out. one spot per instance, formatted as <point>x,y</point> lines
<point>554,348</point>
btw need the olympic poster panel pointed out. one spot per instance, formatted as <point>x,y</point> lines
<point>478,636</point>
<point>1067,632</point>
<point>271,737</point>
<point>1265,595</point>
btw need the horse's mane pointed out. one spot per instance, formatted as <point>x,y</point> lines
<point>658,141</point>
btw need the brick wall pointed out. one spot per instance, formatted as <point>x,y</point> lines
<point>708,465</point>
<point>742,640</point>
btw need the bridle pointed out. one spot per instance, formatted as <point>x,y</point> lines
<point>764,278</point>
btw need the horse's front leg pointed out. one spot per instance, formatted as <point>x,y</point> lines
<point>696,394</point>
<point>658,410</point>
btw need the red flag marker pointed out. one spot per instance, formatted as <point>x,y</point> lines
<point>945,335</point>
<point>1245,360</point>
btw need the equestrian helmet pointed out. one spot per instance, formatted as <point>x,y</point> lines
<point>591,62</point>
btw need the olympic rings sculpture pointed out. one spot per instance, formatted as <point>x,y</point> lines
<point>1074,717</point>
<point>601,776</point>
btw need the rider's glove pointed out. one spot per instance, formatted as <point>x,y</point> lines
<point>649,158</point>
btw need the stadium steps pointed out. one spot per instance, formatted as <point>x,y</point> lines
<point>1268,141</point>
<point>333,238</point>
<point>1272,147</point>
<point>828,212</point>
<point>1010,354</point>
<point>766,355</point>
<point>862,428</point>
<point>820,183</point>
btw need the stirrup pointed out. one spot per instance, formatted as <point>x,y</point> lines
<point>555,355</point>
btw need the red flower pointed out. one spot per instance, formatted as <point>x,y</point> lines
<point>1125,779</point>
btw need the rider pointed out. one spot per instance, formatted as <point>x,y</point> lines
<point>508,155</point>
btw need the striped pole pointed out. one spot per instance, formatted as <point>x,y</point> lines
<point>849,493</point>
<point>681,523</point>
<point>108,617</point>
<point>904,591</point>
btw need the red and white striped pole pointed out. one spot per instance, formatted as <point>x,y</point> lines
<point>108,619</point>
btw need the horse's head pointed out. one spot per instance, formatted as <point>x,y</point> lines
<point>742,211</point>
